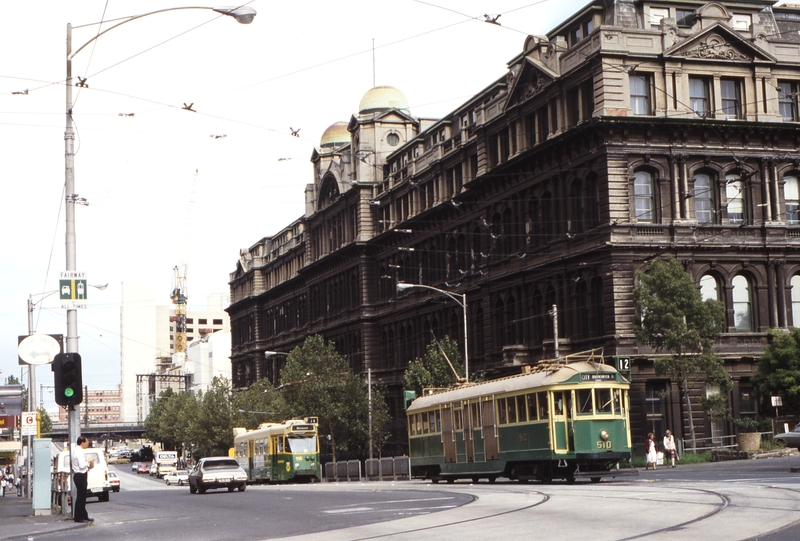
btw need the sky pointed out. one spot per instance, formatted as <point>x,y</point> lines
<point>143,160</point>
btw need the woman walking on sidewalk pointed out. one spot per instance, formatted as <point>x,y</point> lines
<point>669,447</point>
<point>651,451</point>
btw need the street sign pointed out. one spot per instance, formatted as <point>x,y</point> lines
<point>28,423</point>
<point>623,365</point>
<point>38,348</point>
<point>73,290</point>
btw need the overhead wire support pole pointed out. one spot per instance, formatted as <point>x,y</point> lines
<point>461,300</point>
<point>243,15</point>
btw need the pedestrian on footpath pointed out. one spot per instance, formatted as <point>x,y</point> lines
<point>651,451</point>
<point>80,472</point>
<point>670,450</point>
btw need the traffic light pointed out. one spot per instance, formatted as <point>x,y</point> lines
<point>68,380</point>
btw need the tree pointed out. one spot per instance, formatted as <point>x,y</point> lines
<point>434,370</point>
<point>778,371</point>
<point>317,381</point>
<point>45,424</point>
<point>212,429</point>
<point>171,418</point>
<point>672,317</point>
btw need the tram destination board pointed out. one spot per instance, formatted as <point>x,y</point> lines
<point>598,377</point>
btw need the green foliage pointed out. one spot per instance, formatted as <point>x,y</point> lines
<point>433,370</point>
<point>778,371</point>
<point>747,424</point>
<point>317,381</point>
<point>672,317</point>
<point>45,423</point>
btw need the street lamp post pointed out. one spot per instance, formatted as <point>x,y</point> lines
<point>243,15</point>
<point>461,299</point>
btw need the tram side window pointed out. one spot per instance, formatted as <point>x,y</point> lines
<point>475,414</point>
<point>522,412</point>
<point>512,409</point>
<point>558,405</point>
<point>458,419</point>
<point>502,412</point>
<point>438,420</point>
<point>531,399</point>
<point>584,401</point>
<point>426,427</point>
<point>543,410</point>
<point>604,403</point>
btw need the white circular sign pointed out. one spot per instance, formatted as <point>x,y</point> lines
<point>38,349</point>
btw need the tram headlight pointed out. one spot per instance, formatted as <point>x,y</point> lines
<point>296,465</point>
<point>604,435</point>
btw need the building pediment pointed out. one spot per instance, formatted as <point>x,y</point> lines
<point>526,80</point>
<point>719,42</point>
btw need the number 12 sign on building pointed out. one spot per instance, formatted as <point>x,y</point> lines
<point>73,290</point>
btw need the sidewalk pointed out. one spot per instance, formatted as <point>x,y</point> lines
<point>17,520</point>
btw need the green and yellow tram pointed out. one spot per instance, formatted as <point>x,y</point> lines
<point>279,452</point>
<point>558,421</point>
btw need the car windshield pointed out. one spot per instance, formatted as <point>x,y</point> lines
<point>180,472</point>
<point>303,444</point>
<point>220,464</point>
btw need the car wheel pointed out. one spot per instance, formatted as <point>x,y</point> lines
<point>230,488</point>
<point>192,489</point>
<point>167,481</point>
<point>242,487</point>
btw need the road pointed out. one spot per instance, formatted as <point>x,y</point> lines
<point>727,501</point>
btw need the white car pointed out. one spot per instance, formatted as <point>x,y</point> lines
<point>177,477</point>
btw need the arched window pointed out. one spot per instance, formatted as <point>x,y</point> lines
<point>742,304</point>
<point>643,195</point>
<point>576,208</point>
<point>737,203</point>
<point>791,195</point>
<point>709,288</point>
<point>705,207</point>
<point>796,300</point>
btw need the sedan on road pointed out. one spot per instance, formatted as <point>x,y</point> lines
<point>790,439</point>
<point>217,472</point>
<point>143,467</point>
<point>113,479</point>
<point>176,477</point>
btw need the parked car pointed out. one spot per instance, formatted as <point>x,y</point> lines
<point>217,472</point>
<point>143,467</point>
<point>113,478</point>
<point>177,477</point>
<point>790,439</point>
<point>134,466</point>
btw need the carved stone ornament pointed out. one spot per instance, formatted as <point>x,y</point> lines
<point>716,48</point>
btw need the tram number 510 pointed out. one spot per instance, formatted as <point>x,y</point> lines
<point>603,444</point>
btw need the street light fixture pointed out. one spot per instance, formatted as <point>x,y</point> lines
<point>461,299</point>
<point>243,15</point>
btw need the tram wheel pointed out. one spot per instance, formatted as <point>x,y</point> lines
<point>450,480</point>
<point>570,480</point>
<point>476,479</point>
<point>595,479</point>
<point>492,479</point>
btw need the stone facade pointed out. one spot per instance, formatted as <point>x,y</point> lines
<point>629,132</point>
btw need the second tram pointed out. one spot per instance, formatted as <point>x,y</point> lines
<point>279,452</point>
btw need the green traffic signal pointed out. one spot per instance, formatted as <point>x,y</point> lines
<point>68,392</point>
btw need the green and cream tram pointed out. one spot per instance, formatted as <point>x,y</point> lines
<point>279,452</point>
<point>560,420</point>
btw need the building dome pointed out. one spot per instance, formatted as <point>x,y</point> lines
<point>382,98</point>
<point>335,135</point>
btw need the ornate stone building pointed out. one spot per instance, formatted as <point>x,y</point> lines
<point>631,131</point>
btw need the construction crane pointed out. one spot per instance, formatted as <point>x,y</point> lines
<point>179,293</point>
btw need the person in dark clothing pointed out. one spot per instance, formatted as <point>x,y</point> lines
<point>80,472</point>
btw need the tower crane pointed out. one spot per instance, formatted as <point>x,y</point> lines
<point>179,293</point>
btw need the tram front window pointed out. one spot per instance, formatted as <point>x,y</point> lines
<point>584,401</point>
<point>603,398</point>
<point>302,444</point>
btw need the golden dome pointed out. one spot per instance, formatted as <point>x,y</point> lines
<point>382,98</point>
<point>335,135</point>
